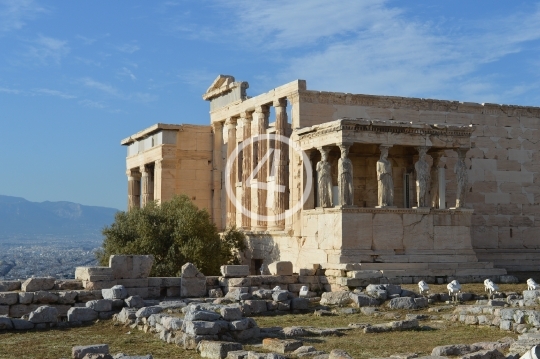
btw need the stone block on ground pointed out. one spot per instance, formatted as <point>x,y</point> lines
<point>402,303</point>
<point>9,285</point>
<point>68,284</point>
<point>485,354</point>
<point>44,314</point>
<point>5,323</point>
<point>8,298</point>
<point>116,292</point>
<point>193,287</point>
<point>65,297</point>
<point>100,305</point>
<point>189,270</point>
<point>339,354</point>
<point>94,273</point>
<point>22,324</point>
<point>454,350</point>
<point>81,314</point>
<point>234,270</point>
<point>281,268</point>
<point>148,311</point>
<point>134,301</point>
<point>281,345</point>
<point>363,300</point>
<point>18,310</point>
<point>299,304</point>
<point>217,349</point>
<point>36,284</point>
<point>231,313</point>
<point>44,297</point>
<point>336,298</point>
<point>78,352</point>
<point>98,285</point>
<point>131,266</point>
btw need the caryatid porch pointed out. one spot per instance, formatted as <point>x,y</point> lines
<point>380,196</point>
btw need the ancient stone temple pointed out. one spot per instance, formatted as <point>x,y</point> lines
<point>427,187</point>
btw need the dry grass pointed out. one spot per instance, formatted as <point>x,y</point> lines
<point>57,343</point>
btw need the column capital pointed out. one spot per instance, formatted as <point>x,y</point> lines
<point>246,115</point>
<point>344,144</point>
<point>280,102</point>
<point>133,172</point>
<point>264,109</point>
<point>461,152</point>
<point>218,125</point>
<point>231,123</point>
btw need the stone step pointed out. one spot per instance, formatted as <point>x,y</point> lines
<point>381,266</point>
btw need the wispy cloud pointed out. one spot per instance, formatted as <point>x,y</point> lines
<point>86,40</point>
<point>127,72</point>
<point>103,87</point>
<point>90,103</point>
<point>129,48</point>
<point>15,13</point>
<point>375,47</point>
<point>56,93</point>
<point>144,97</point>
<point>116,93</point>
<point>46,49</point>
<point>10,91</point>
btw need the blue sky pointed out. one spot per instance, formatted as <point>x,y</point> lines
<point>77,77</point>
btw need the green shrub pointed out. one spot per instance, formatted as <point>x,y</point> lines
<point>175,232</point>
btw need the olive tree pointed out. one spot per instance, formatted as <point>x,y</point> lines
<point>174,232</point>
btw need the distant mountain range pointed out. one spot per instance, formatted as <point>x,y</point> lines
<point>24,220</point>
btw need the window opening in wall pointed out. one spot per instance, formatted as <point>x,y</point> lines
<point>256,264</point>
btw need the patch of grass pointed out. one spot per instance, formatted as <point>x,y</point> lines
<point>57,343</point>
<point>372,345</point>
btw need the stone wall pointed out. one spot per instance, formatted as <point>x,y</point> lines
<point>504,174</point>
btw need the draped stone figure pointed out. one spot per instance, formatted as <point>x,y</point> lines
<point>422,178</point>
<point>434,187</point>
<point>460,169</point>
<point>384,179</point>
<point>345,179</point>
<point>324,180</point>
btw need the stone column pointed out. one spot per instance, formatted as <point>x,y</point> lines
<point>422,170</point>
<point>460,170</point>
<point>231,145</point>
<point>281,158</point>
<point>261,117</point>
<point>147,185</point>
<point>345,176</point>
<point>217,167</point>
<point>434,176</point>
<point>134,189</point>
<point>245,118</point>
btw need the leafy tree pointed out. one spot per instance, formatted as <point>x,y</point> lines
<point>175,232</point>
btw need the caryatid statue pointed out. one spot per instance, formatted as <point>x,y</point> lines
<point>384,179</point>
<point>460,169</point>
<point>422,178</point>
<point>434,187</point>
<point>345,177</point>
<point>324,180</point>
